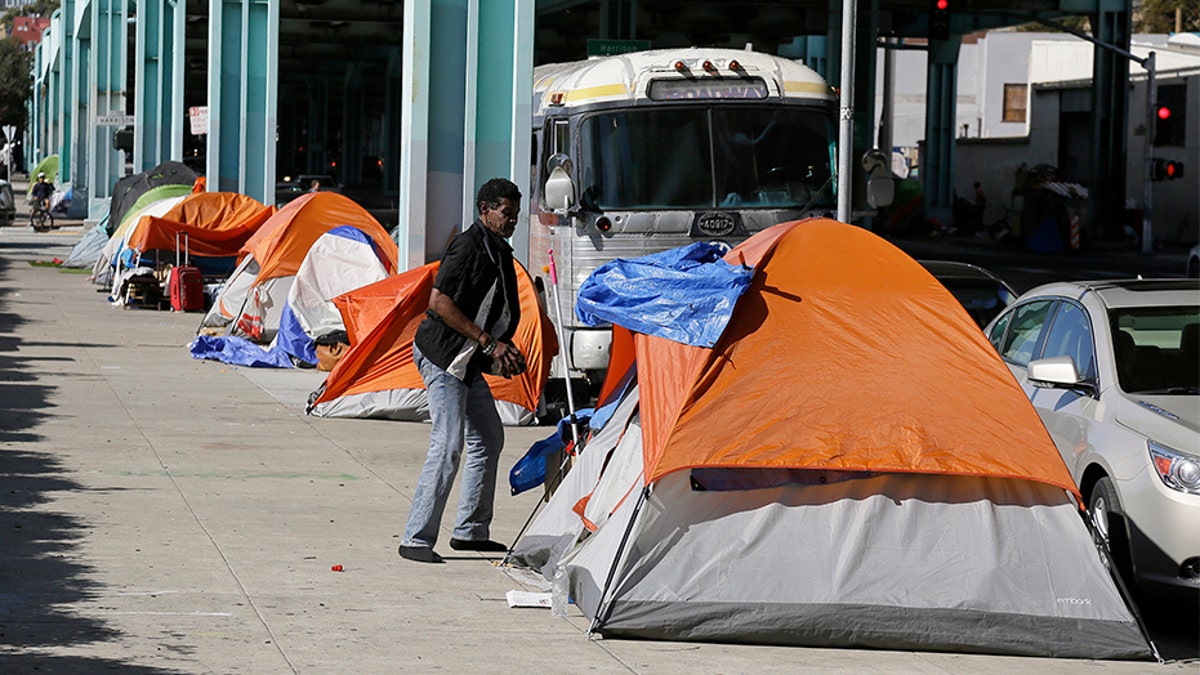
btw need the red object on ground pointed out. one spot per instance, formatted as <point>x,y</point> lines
<point>336,568</point>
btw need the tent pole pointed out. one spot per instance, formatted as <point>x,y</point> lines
<point>562,345</point>
<point>605,607</point>
<point>1106,557</point>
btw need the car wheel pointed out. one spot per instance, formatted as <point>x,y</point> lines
<point>1105,510</point>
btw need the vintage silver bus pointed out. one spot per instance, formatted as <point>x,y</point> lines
<point>642,152</point>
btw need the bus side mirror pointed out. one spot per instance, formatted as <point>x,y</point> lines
<point>559,190</point>
<point>881,188</point>
<point>881,192</point>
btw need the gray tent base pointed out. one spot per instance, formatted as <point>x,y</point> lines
<point>873,627</point>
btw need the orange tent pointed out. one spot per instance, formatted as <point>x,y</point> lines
<point>281,243</point>
<point>885,372</point>
<point>216,224</point>
<point>268,261</point>
<point>381,321</point>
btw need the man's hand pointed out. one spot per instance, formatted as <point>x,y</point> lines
<point>510,360</point>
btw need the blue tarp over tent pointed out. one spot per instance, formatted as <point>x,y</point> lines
<point>686,294</point>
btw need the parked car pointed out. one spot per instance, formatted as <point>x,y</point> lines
<point>1193,264</point>
<point>982,294</point>
<point>8,204</point>
<point>1113,368</point>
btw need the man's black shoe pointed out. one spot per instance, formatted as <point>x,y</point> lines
<point>420,554</point>
<point>477,545</point>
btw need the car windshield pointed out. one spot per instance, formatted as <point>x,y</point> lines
<point>694,158</point>
<point>1157,349</point>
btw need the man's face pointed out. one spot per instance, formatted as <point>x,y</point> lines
<point>500,219</point>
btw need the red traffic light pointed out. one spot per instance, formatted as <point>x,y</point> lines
<point>943,5</point>
<point>1164,112</point>
<point>1174,170</point>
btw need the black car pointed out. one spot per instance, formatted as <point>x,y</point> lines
<point>981,293</point>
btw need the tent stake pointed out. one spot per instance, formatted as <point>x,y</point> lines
<point>605,607</point>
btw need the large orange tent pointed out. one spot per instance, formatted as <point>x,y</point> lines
<point>851,464</point>
<point>216,224</point>
<point>253,297</point>
<point>377,376</point>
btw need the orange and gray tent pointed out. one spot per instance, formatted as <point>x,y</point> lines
<point>851,464</point>
<point>377,377</point>
<point>252,300</point>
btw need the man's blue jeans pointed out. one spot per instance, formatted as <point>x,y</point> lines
<point>462,416</point>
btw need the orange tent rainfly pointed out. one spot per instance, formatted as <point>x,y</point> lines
<point>216,224</point>
<point>377,376</point>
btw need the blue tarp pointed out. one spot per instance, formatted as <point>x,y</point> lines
<point>238,351</point>
<point>530,471</point>
<point>686,294</point>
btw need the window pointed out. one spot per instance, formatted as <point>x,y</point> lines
<point>1015,96</point>
<point>1071,335</point>
<point>1025,331</point>
<point>997,335</point>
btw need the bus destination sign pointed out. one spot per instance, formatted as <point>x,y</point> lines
<point>676,90</point>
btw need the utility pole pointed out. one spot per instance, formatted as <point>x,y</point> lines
<point>846,103</point>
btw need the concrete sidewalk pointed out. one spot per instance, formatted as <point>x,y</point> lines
<point>162,514</point>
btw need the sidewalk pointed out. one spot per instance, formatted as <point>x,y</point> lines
<point>167,515</point>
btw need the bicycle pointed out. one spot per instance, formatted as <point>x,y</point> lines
<point>40,218</point>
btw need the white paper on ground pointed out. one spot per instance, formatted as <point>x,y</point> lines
<point>528,599</point>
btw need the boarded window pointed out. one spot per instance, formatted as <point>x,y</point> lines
<point>1015,96</point>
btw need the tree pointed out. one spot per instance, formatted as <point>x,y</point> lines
<point>1158,16</point>
<point>16,83</point>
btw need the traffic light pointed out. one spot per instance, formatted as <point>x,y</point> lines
<point>1163,169</point>
<point>939,20</point>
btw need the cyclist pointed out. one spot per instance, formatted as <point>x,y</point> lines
<point>41,192</point>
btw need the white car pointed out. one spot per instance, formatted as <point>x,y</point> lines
<point>1113,368</point>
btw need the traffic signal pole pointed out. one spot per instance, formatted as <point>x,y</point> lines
<point>1147,190</point>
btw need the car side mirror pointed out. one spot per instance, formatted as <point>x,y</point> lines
<point>1057,372</point>
<point>559,190</point>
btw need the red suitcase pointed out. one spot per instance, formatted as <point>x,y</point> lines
<point>186,283</point>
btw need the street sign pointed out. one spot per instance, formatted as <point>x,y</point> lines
<point>115,119</point>
<point>198,116</point>
<point>9,131</point>
<point>596,47</point>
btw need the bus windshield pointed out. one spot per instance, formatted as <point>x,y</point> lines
<point>697,158</point>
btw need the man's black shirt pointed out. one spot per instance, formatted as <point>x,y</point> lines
<point>477,267</point>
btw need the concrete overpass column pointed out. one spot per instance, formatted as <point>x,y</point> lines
<point>937,166</point>
<point>158,92</point>
<point>105,95</point>
<point>69,93</point>
<point>1110,109</point>
<point>243,90</point>
<point>74,169</point>
<point>431,129</point>
<point>499,111</point>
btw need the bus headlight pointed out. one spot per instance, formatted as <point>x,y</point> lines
<point>1179,471</point>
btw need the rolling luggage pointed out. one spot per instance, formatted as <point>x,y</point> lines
<point>186,282</point>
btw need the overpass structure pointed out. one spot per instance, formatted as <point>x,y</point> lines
<point>411,104</point>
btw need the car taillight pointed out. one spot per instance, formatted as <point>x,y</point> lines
<point>1179,471</point>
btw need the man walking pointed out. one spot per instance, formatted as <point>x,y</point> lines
<point>473,314</point>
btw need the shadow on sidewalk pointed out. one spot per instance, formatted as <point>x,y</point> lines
<point>41,572</point>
